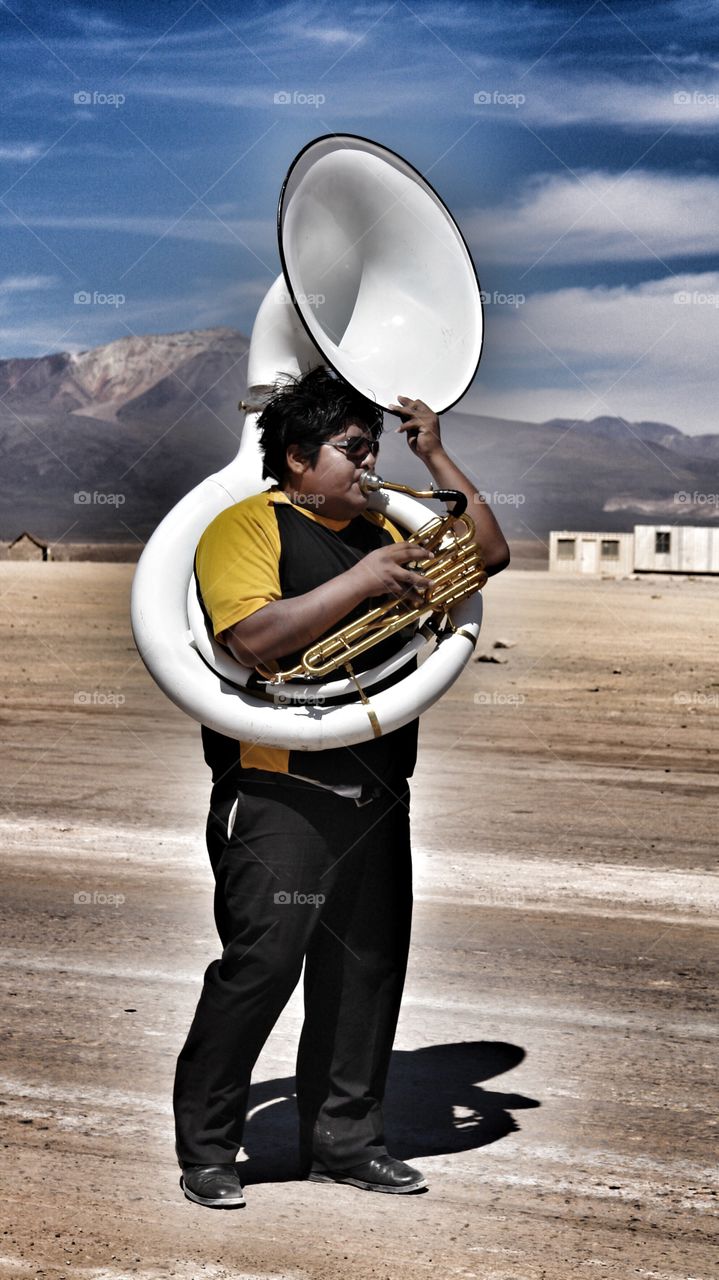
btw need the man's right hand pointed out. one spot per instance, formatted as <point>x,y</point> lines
<point>384,572</point>
<point>285,626</point>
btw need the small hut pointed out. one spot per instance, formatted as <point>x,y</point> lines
<point>595,553</point>
<point>27,547</point>
<point>649,548</point>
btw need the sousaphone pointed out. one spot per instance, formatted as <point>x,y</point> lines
<point>378,283</point>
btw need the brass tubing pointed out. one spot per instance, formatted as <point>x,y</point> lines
<point>370,482</point>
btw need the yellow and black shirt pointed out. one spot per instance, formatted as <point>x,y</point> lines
<point>264,549</point>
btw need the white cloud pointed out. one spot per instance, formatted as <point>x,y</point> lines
<point>35,339</point>
<point>366,96</point>
<point>689,102</point>
<point>327,35</point>
<point>81,328</point>
<point>27,284</point>
<point>22,152</point>
<point>258,234</point>
<point>600,216</point>
<point>643,353</point>
<point>93,22</point>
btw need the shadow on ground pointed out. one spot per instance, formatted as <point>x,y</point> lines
<point>435,1105</point>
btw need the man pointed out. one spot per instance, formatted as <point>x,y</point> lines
<point>310,850</point>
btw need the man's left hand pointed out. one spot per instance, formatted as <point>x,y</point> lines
<point>421,426</point>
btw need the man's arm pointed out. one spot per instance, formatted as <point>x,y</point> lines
<point>421,425</point>
<point>284,626</point>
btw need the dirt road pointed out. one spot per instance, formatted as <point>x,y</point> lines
<point>555,1059</point>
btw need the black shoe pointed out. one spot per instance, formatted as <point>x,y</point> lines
<point>381,1174</point>
<point>217,1186</point>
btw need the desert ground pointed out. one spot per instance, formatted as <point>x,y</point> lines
<point>554,1065</point>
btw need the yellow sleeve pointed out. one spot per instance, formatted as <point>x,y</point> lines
<point>237,562</point>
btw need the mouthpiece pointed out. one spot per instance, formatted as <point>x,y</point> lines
<point>370,482</point>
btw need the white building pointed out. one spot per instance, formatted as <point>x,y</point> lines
<point>679,549</point>
<point>611,553</point>
<point>650,548</point>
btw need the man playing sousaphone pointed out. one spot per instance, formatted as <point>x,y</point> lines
<point>310,849</point>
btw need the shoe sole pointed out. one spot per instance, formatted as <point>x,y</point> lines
<point>368,1186</point>
<point>222,1202</point>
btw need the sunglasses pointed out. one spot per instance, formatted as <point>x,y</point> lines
<point>355,447</point>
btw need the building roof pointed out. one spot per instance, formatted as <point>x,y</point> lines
<point>38,541</point>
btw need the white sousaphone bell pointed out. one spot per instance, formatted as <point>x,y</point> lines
<point>378,283</point>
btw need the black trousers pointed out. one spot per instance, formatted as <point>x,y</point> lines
<point>305,875</point>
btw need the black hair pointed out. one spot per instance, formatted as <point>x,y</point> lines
<point>308,410</point>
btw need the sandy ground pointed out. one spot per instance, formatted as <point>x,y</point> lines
<point>555,1059</point>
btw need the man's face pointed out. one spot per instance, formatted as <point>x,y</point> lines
<point>331,487</point>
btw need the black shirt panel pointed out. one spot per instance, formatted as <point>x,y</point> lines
<point>312,554</point>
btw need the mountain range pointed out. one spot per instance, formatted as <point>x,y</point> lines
<point>132,425</point>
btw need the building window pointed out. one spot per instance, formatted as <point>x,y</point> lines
<point>662,541</point>
<point>565,548</point>
<point>610,549</point>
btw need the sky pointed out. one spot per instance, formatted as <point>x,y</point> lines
<point>143,148</point>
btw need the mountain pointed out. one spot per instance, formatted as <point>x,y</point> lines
<point>604,474</point>
<point>134,424</point>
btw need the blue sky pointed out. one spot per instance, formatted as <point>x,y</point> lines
<point>142,152</point>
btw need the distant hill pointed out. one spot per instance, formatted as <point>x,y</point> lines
<point>140,421</point>
<point>143,418</point>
